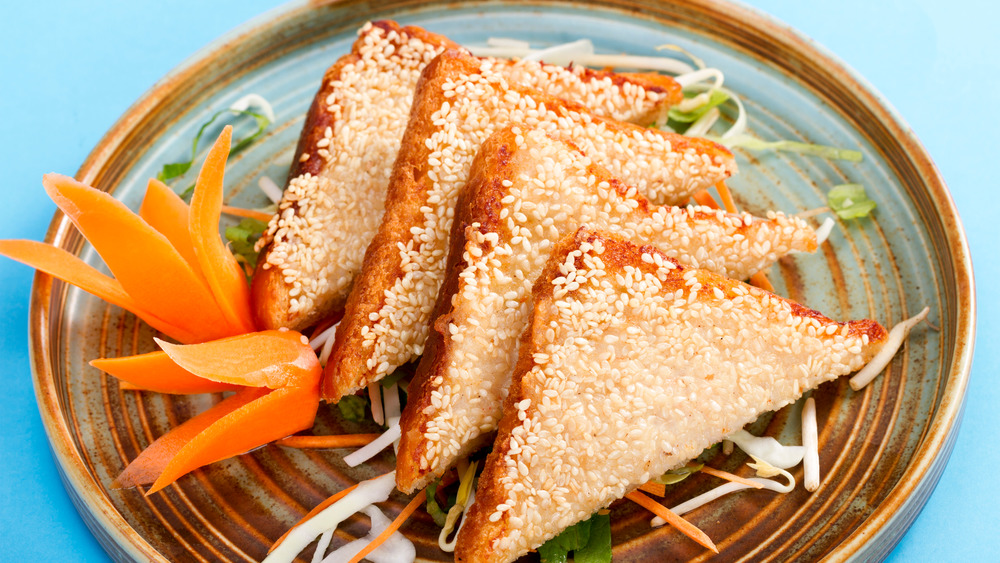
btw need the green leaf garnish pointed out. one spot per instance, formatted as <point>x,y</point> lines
<point>715,98</point>
<point>352,407</point>
<point>849,201</point>
<point>557,549</point>
<point>823,151</point>
<point>175,169</point>
<point>598,548</point>
<point>433,508</point>
<point>242,239</point>
<point>679,474</point>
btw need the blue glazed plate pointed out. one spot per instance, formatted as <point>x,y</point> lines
<point>883,449</point>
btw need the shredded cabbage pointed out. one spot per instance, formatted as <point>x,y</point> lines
<point>753,143</point>
<point>367,493</point>
<point>892,344</point>
<point>849,201</point>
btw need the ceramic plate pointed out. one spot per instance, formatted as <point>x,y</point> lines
<point>883,449</point>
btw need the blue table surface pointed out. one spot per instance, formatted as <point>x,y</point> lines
<point>69,69</point>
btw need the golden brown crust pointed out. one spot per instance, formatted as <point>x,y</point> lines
<point>269,292</point>
<point>408,189</point>
<point>478,536</point>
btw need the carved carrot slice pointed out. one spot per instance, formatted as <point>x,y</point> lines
<point>166,212</point>
<point>155,371</point>
<point>223,273</point>
<point>67,267</point>
<point>148,267</point>
<point>272,358</point>
<point>155,458</point>
<point>278,414</point>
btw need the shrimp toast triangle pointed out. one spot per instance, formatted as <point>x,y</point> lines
<point>525,191</point>
<point>315,244</point>
<point>633,364</point>
<point>459,102</point>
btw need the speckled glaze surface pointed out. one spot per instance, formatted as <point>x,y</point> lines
<point>882,449</point>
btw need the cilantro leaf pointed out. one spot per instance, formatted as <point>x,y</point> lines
<point>242,239</point>
<point>849,201</point>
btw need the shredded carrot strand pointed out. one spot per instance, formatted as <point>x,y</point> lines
<point>682,525</point>
<point>726,196</point>
<point>706,199</point>
<point>730,477</point>
<point>654,488</point>
<point>416,502</point>
<point>341,441</point>
<point>760,280</point>
<point>316,510</point>
<point>249,213</point>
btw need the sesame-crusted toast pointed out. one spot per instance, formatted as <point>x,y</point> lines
<point>631,365</point>
<point>527,189</point>
<point>333,202</point>
<point>459,102</point>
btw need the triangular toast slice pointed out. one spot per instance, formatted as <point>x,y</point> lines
<point>460,101</point>
<point>526,190</point>
<point>632,365</point>
<point>335,195</point>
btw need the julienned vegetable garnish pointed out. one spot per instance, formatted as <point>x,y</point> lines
<point>173,270</point>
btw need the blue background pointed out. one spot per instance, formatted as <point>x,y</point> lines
<point>69,69</point>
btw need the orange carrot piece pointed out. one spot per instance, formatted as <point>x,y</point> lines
<point>166,212</point>
<point>249,213</point>
<point>327,442</point>
<point>224,274</point>
<point>272,358</point>
<point>277,414</point>
<point>319,508</point>
<point>380,539</point>
<point>685,527</point>
<point>760,280</point>
<point>148,267</point>
<point>654,488</point>
<point>706,199</point>
<point>726,196</point>
<point>61,264</point>
<point>730,477</point>
<point>154,459</point>
<point>155,371</point>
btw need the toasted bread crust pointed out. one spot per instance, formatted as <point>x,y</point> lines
<point>271,294</point>
<point>278,288</point>
<point>354,361</point>
<point>507,175</point>
<point>489,534</point>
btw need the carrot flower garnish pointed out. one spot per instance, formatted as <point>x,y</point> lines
<point>169,264</point>
<point>172,269</point>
